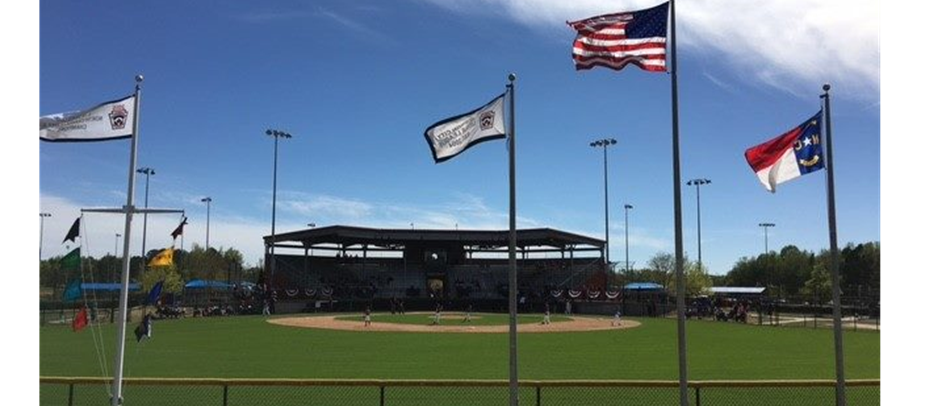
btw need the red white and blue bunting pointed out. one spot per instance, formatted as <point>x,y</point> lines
<point>310,292</point>
<point>612,295</point>
<point>327,292</point>
<point>594,294</point>
<point>291,292</point>
<point>556,293</point>
<point>574,293</point>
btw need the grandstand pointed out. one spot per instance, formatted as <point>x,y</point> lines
<point>355,264</point>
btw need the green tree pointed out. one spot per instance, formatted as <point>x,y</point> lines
<point>819,285</point>
<point>697,281</point>
<point>173,282</point>
<point>661,266</point>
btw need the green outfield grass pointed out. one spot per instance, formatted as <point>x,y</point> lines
<point>249,347</point>
<point>455,319</point>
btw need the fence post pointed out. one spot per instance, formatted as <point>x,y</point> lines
<point>698,395</point>
<point>382,396</point>
<point>538,396</point>
<point>225,395</point>
<point>71,392</point>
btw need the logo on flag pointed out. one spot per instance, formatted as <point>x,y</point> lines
<point>487,120</point>
<point>616,40</point>
<point>106,121</point>
<point>453,135</point>
<point>118,117</point>
<point>797,152</point>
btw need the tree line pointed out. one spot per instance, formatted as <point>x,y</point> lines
<point>790,272</point>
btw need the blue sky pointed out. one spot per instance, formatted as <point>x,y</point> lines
<point>357,83</point>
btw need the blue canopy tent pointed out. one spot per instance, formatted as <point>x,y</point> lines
<point>112,287</point>
<point>643,286</point>
<point>206,291</point>
<point>646,299</point>
<point>204,284</point>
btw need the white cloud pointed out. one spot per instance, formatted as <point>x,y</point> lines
<point>719,83</point>
<point>351,24</point>
<point>320,206</point>
<point>794,45</point>
<point>274,16</point>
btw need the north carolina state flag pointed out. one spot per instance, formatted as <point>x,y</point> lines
<point>788,156</point>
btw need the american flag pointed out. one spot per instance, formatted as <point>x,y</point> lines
<point>615,40</point>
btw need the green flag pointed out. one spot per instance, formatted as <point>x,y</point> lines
<point>72,260</point>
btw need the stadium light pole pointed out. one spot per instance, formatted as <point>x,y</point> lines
<point>146,172</point>
<point>207,200</point>
<point>42,225</point>
<point>766,227</point>
<point>697,183</point>
<point>274,188</point>
<point>604,143</point>
<point>627,264</point>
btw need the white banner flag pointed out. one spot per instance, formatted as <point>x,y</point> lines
<point>106,121</point>
<point>451,136</point>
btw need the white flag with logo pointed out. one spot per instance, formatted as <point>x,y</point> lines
<point>106,121</point>
<point>453,135</point>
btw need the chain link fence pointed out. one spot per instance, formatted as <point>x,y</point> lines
<point>290,392</point>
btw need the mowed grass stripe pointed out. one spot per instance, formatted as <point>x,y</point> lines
<point>249,347</point>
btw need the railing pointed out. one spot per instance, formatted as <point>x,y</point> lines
<point>236,392</point>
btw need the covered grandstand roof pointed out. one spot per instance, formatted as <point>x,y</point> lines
<point>349,235</point>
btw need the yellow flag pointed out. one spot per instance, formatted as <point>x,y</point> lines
<point>163,258</point>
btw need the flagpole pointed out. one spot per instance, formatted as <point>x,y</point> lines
<point>512,248</point>
<point>835,254</point>
<point>678,221</point>
<point>116,398</point>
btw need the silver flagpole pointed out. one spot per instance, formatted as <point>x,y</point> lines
<point>835,255</point>
<point>126,267</point>
<point>678,222</point>
<point>512,248</point>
